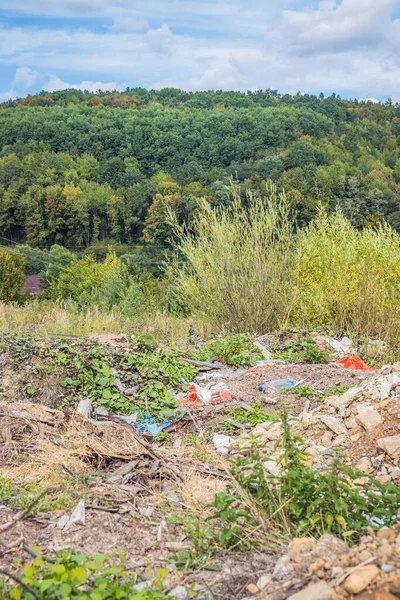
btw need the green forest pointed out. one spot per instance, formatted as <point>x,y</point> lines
<point>84,170</point>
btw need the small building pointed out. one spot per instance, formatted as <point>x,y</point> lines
<point>32,285</point>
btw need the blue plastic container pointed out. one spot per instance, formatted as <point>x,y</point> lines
<point>278,385</point>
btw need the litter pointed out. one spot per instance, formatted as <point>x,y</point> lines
<point>199,396</point>
<point>84,407</point>
<point>260,366</point>
<point>342,347</point>
<point>353,362</point>
<point>203,365</point>
<point>278,384</point>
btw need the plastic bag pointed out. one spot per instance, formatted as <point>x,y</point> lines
<point>353,362</point>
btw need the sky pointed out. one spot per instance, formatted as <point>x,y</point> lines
<point>351,47</point>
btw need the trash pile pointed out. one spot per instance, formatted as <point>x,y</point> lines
<point>363,423</point>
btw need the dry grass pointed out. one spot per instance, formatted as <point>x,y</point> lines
<point>42,318</point>
<point>37,441</point>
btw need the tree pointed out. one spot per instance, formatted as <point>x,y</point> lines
<point>11,275</point>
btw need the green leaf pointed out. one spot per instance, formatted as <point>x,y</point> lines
<point>79,574</point>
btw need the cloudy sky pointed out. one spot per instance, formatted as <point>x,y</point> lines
<point>351,47</point>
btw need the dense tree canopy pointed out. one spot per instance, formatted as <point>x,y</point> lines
<point>78,168</point>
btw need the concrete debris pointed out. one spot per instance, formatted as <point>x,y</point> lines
<point>369,419</point>
<point>391,445</point>
<point>334,424</point>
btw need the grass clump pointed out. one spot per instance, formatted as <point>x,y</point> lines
<point>23,495</point>
<point>70,575</point>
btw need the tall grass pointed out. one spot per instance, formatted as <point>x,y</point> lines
<point>239,265</point>
<point>43,318</point>
<point>246,269</point>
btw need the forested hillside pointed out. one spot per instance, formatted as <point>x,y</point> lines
<point>78,168</point>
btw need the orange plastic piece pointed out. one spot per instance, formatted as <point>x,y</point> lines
<point>258,369</point>
<point>218,397</point>
<point>353,362</point>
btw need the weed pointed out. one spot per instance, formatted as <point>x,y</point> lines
<point>234,350</point>
<point>302,350</point>
<point>248,417</point>
<point>301,501</point>
<point>339,390</point>
<point>72,575</point>
<point>305,392</point>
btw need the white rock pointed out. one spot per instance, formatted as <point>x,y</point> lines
<point>334,424</point>
<point>63,522</point>
<point>275,432</point>
<point>264,581</point>
<point>272,467</point>
<point>78,516</point>
<point>222,443</point>
<point>347,398</point>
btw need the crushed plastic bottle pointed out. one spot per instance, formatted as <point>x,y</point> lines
<point>278,385</point>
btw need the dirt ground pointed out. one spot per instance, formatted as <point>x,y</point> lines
<point>133,515</point>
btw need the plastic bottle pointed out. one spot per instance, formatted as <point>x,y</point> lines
<point>278,384</point>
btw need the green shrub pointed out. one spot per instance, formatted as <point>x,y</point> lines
<point>12,276</point>
<point>349,278</point>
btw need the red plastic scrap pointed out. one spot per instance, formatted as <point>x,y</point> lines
<point>353,362</point>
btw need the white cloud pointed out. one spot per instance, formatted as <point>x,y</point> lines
<point>56,84</point>
<point>128,23</point>
<point>160,40</point>
<point>24,78</point>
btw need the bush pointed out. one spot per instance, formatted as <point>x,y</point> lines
<point>239,263</point>
<point>84,278</point>
<point>349,278</point>
<point>12,275</point>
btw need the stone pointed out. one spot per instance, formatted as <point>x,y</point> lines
<point>364,465</point>
<point>334,424</point>
<point>329,546</point>
<point>339,441</point>
<point>315,591</point>
<point>347,398</point>
<point>387,568</point>
<point>222,443</point>
<point>361,578</point>
<point>369,419</point>
<point>301,545</point>
<point>264,581</point>
<point>385,533</point>
<point>252,589</point>
<point>354,438</point>
<point>272,467</point>
<point>391,445</point>
<point>274,433</point>
<point>283,568</point>
<point>179,593</point>
<point>384,596</point>
<point>78,514</point>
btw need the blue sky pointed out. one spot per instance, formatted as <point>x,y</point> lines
<point>351,47</point>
